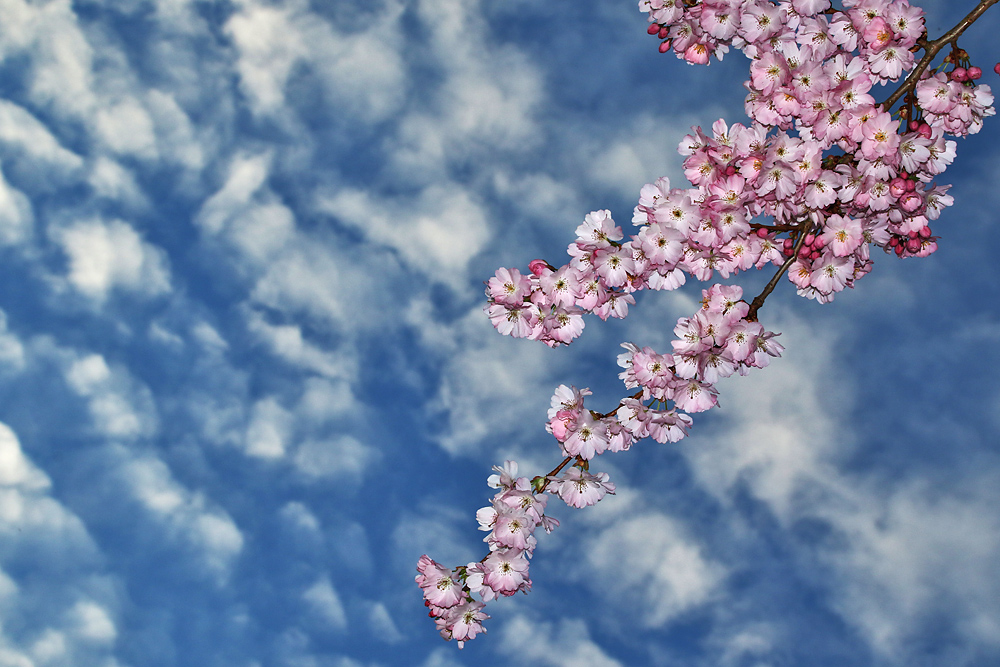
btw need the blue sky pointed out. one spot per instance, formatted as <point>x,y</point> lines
<point>245,377</point>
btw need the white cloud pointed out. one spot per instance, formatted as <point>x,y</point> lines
<point>63,59</point>
<point>324,400</point>
<point>183,517</point>
<point>176,137</point>
<point>490,383</point>
<point>93,622</point>
<point>437,234</point>
<point>485,103</point>
<point>16,216</point>
<point>269,48</point>
<point>110,180</point>
<point>343,458</point>
<point>780,436</point>
<point>246,175</point>
<point>63,606</point>
<point>11,348</point>
<point>15,469</point>
<point>119,406</point>
<point>269,431</point>
<point>648,565</point>
<point>324,602</point>
<point>565,643</point>
<point>918,552</point>
<point>104,256</point>
<point>381,624</point>
<point>287,342</point>
<point>310,279</point>
<point>361,71</point>
<point>22,132</point>
<point>299,517</point>
<point>127,128</point>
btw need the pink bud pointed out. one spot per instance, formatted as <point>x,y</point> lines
<point>897,187</point>
<point>913,245</point>
<point>538,266</point>
<point>894,241</point>
<point>924,130</point>
<point>762,233</point>
<point>804,251</point>
<point>787,245</point>
<point>925,232</point>
<point>814,254</point>
<point>664,46</point>
<point>810,238</point>
<point>819,243</point>
<point>899,250</point>
<point>910,202</point>
<point>959,74</point>
<point>974,73</point>
<point>910,186</point>
<point>653,28</point>
<point>663,32</point>
<point>996,68</point>
<point>914,125</point>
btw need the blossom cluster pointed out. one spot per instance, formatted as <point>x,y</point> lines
<point>716,342</point>
<point>827,171</point>
<point>516,511</point>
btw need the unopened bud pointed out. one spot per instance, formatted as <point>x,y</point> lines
<point>653,28</point>
<point>538,266</point>
<point>974,72</point>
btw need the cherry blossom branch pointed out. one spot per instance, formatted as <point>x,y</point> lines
<point>932,49</point>
<point>873,192</point>
<point>758,301</point>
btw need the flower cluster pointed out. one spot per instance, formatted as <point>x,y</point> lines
<point>830,173</point>
<point>517,509</point>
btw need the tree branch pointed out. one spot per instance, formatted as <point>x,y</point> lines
<point>932,49</point>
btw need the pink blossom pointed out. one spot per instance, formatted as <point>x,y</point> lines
<point>506,571</point>
<point>509,287</point>
<point>465,621</point>
<point>579,488</point>
<point>440,588</point>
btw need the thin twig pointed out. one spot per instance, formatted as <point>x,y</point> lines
<point>932,49</point>
<point>759,299</point>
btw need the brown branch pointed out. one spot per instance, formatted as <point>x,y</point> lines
<point>759,299</point>
<point>932,49</point>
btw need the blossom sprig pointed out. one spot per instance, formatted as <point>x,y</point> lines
<point>820,175</point>
<point>716,342</point>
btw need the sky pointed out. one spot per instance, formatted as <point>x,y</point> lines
<point>246,379</point>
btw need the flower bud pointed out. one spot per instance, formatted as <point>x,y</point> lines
<point>653,28</point>
<point>538,266</point>
<point>974,73</point>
